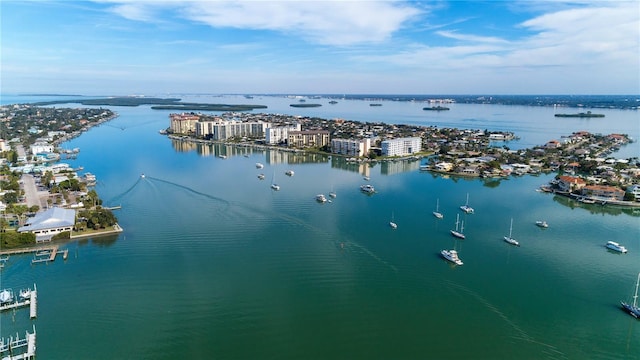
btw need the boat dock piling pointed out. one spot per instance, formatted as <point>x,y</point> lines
<point>9,347</point>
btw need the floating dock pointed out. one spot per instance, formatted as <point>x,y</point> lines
<point>11,346</point>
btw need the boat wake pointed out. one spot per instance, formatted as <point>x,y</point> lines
<point>287,218</point>
<point>519,333</point>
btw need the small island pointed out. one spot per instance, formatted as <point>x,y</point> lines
<point>436,108</point>
<point>588,114</point>
<point>305,105</point>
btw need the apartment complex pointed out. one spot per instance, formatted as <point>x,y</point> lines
<point>223,130</point>
<point>308,138</point>
<point>277,134</point>
<point>402,146</point>
<point>351,147</point>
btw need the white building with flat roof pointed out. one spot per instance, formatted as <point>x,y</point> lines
<point>402,146</point>
<point>277,134</point>
<point>351,147</point>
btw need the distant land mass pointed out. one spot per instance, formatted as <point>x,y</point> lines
<point>631,102</point>
<point>305,105</point>
<point>588,114</point>
<point>159,104</point>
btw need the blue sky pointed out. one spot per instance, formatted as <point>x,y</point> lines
<point>112,47</point>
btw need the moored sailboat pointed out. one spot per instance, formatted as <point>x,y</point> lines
<point>466,208</point>
<point>509,238</point>
<point>633,308</point>
<point>457,233</point>
<point>437,213</point>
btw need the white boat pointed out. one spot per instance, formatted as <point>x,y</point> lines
<point>222,156</point>
<point>455,232</point>
<point>274,186</point>
<point>437,212</point>
<point>509,238</point>
<point>289,172</point>
<point>6,296</point>
<point>392,223</point>
<point>542,224</point>
<point>261,176</point>
<point>142,175</point>
<point>633,309</point>
<point>367,188</point>
<point>333,194</point>
<point>25,294</point>
<point>259,166</point>
<point>321,198</point>
<point>452,256</point>
<point>466,208</point>
<point>616,247</point>
<point>366,178</point>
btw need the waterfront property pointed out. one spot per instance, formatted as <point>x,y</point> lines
<point>402,146</point>
<point>49,223</point>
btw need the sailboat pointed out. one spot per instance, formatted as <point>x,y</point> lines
<point>466,208</point>
<point>437,212</point>
<point>392,223</point>
<point>274,186</point>
<point>633,309</point>
<point>509,239</point>
<point>455,232</point>
<point>332,193</point>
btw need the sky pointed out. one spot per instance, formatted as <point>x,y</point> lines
<point>139,47</point>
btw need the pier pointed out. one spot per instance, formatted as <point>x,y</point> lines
<point>27,297</point>
<point>14,348</point>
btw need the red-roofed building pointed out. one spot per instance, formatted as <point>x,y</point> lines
<point>603,191</point>
<point>570,183</point>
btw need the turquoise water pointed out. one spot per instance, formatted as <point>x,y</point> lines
<point>214,264</point>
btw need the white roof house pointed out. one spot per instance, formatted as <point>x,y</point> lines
<point>50,222</point>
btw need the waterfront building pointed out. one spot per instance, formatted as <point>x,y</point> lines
<point>351,147</point>
<point>277,134</point>
<point>635,190</point>
<point>41,147</point>
<point>402,146</point>
<point>224,130</point>
<point>184,123</point>
<point>603,191</point>
<point>308,138</point>
<point>570,183</point>
<point>49,223</point>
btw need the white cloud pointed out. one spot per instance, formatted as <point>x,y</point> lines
<point>471,38</point>
<point>323,22</point>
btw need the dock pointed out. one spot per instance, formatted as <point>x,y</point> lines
<point>31,301</point>
<point>49,255</point>
<point>14,348</point>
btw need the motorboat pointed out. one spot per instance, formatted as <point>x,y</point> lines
<point>542,224</point>
<point>289,172</point>
<point>321,198</point>
<point>259,166</point>
<point>633,308</point>
<point>451,255</point>
<point>261,176</point>
<point>367,188</point>
<point>612,245</point>
<point>25,294</point>
<point>275,187</point>
<point>6,296</point>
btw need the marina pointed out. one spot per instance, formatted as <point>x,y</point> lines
<point>289,275</point>
<point>26,297</point>
<point>16,348</point>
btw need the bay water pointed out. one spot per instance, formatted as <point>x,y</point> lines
<point>212,263</point>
